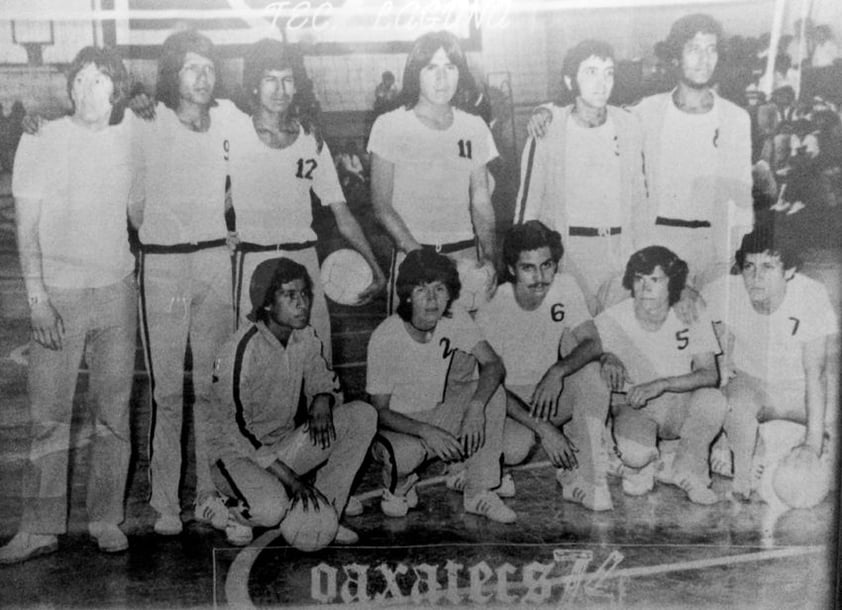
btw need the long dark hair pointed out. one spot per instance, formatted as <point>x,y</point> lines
<point>174,50</point>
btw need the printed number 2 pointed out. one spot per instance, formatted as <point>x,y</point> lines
<point>682,338</point>
<point>465,149</point>
<point>557,312</point>
<point>446,352</point>
<point>306,173</point>
<point>795,324</point>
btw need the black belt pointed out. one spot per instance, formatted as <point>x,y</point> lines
<point>677,222</point>
<point>594,232</point>
<point>451,247</point>
<point>292,246</point>
<point>181,248</point>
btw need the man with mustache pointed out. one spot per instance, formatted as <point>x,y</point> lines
<point>697,148</point>
<point>539,324</point>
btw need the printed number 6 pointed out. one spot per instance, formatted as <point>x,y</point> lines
<point>557,312</point>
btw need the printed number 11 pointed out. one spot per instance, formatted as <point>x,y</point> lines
<point>465,149</point>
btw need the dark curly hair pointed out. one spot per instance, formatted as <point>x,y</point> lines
<point>763,240</point>
<point>421,267</point>
<point>578,54</point>
<point>643,262</point>
<point>530,235</point>
<point>685,28</point>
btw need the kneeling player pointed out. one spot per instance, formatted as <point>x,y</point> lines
<point>258,453</point>
<point>775,326</point>
<point>540,325</point>
<point>423,413</point>
<point>667,371</point>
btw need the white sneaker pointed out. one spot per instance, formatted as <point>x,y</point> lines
<point>354,508</point>
<point>506,489</point>
<point>212,510</point>
<point>109,537</point>
<point>168,525</point>
<point>574,488</point>
<point>488,504</point>
<point>721,459</point>
<point>639,481</point>
<point>27,546</point>
<point>345,535</point>
<point>696,491</point>
<point>237,534</point>
<point>393,505</point>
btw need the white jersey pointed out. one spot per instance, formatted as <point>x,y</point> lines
<point>413,373</point>
<point>432,171</point>
<point>529,341</point>
<point>181,175</point>
<point>82,179</point>
<point>593,181</point>
<point>770,347</point>
<point>649,355</point>
<point>271,187</point>
<point>689,155</point>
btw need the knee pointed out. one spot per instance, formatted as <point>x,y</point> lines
<point>269,508</point>
<point>517,442</point>
<point>357,417</point>
<point>634,454</point>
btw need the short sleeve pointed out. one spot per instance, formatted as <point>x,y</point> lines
<point>576,311</point>
<point>822,318</point>
<point>325,181</point>
<point>702,337</point>
<point>29,174</point>
<point>715,296</point>
<point>379,140</point>
<point>466,332</point>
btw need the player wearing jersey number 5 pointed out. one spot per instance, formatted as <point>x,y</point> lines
<point>667,370</point>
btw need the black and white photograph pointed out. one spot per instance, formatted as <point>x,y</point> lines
<point>420,303</point>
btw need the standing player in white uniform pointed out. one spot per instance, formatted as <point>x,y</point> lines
<point>540,326</point>
<point>697,147</point>
<point>428,165</point>
<point>776,327</point>
<point>71,187</point>
<point>582,174</point>
<point>667,370</point>
<point>423,412</point>
<point>178,203</point>
<point>279,159</point>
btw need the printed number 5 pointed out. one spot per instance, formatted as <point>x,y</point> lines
<point>682,338</point>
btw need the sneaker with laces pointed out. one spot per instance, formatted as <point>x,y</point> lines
<point>345,535</point>
<point>574,488</point>
<point>212,510</point>
<point>489,505</point>
<point>109,537</point>
<point>614,465</point>
<point>236,533</point>
<point>696,491</point>
<point>639,481</point>
<point>394,505</point>
<point>168,525</point>
<point>354,508</point>
<point>721,459</point>
<point>27,546</point>
<point>506,489</point>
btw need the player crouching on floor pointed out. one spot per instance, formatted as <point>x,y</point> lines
<point>258,453</point>
<point>540,325</point>
<point>666,371</point>
<point>777,328</point>
<point>424,413</point>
